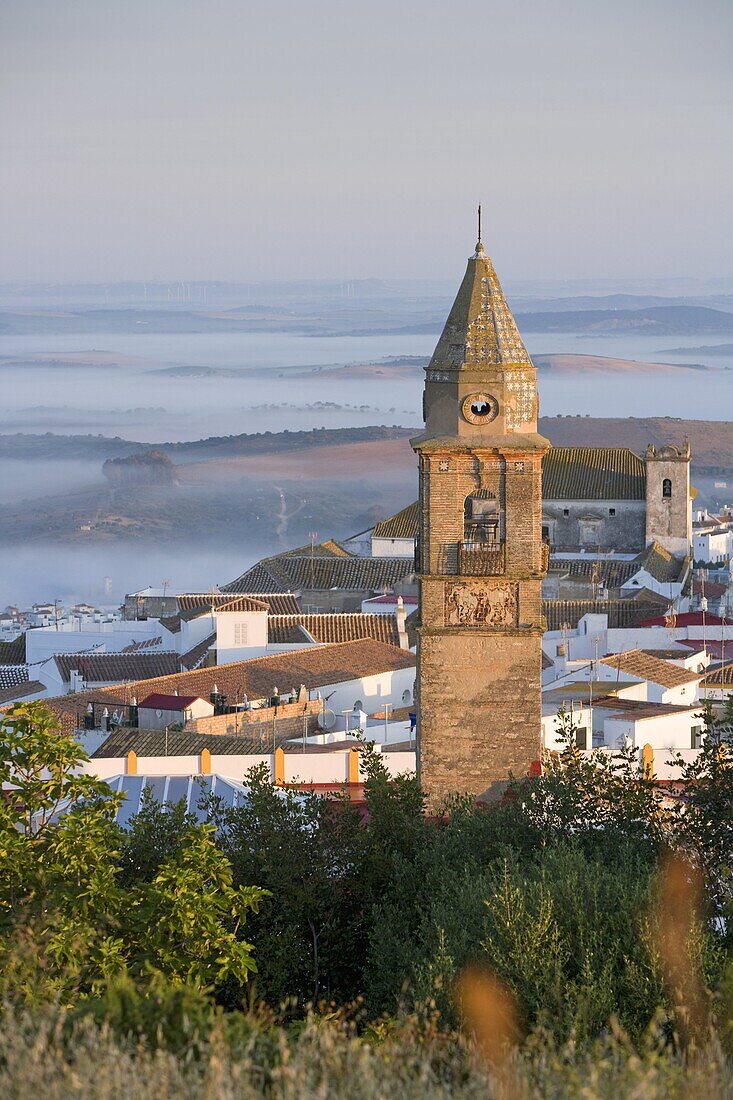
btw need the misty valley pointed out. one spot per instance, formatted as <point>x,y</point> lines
<point>338,390</point>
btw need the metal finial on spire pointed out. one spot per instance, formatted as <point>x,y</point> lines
<point>479,246</point>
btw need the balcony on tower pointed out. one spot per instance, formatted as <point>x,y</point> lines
<point>481,559</point>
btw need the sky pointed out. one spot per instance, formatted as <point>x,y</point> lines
<point>249,140</point>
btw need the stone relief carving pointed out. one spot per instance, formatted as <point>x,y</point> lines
<point>481,604</point>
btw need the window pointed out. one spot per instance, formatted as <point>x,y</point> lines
<point>581,737</point>
<point>667,488</point>
<point>589,531</point>
<point>240,633</point>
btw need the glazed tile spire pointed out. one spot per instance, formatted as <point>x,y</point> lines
<point>480,330</point>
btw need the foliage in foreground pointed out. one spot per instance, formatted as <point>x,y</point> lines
<point>325,1059</point>
<point>583,895</point>
<point>69,924</point>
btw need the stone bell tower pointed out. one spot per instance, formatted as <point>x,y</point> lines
<point>480,552</point>
<point>668,498</point>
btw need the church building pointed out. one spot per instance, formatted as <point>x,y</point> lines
<point>480,554</point>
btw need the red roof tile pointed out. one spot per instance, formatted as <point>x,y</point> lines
<point>158,701</point>
<point>686,618</point>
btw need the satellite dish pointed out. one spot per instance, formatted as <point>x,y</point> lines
<point>326,719</point>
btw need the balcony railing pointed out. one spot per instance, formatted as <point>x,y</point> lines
<point>481,559</point>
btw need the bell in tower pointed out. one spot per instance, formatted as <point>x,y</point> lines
<point>481,557</point>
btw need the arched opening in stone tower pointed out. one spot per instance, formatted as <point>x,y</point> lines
<point>482,520</point>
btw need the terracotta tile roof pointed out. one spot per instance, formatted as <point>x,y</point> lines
<point>13,653</point>
<point>153,743</point>
<point>115,667</point>
<point>13,675</point>
<point>342,626</point>
<point>719,677</point>
<point>621,613</point>
<point>582,691</point>
<point>314,666</point>
<point>171,623</point>
<point>279,603</point>
<point>634,662</point>
<point>402,525</point>
<point>328,549</point>
<point>610,572</point>
<point>192,601</point>
<point>685,618</point>
<point>639,709</point>
<point>392,601</point>
<point>286,630</point>
<point>21,691</point>
<point>613,573</point>
<point>258,578</point>
<point>593,473</point>
<point>146,643</point>
<point>712,589</point>
<point>298,574</point>
<point>196,654</point>
<point>150,743</point>
<point>670,654</point>
<point>193,605</point>
<point>661,565</point>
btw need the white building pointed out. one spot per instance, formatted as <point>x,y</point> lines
<point>159,709</point>
<point>712,539</point>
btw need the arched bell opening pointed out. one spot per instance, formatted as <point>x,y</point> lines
<point>483,521</point>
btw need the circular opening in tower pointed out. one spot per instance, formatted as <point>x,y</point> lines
<point>480,408</point>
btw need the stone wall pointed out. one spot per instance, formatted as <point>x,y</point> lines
<point>480,711</point>
<point>609,524</point>
<point>479,645</point>
<point>288,722</point>
<point>513,476</point>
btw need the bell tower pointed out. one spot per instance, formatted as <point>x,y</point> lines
<point>480,552</point>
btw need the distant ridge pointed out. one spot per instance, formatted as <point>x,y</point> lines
<point>654,321</point>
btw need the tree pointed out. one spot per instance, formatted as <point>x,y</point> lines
<point>308,852</point>
<point>703,817</point>
<point>68,923</point>
<point>592,795</point>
